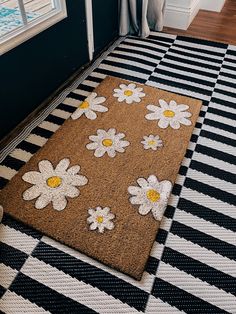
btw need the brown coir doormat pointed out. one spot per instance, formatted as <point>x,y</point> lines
<point>102,182</point>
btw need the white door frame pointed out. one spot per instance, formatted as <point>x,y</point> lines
<point>89,22</point>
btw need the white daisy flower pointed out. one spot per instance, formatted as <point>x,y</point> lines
<point>88,107</point>
<point>100,218</point>
<point>1,212</point>
<point>108,142</point>
<point>169,114</point>
<point>129,93</point>
<point>53,185</point>
<point>151,195</point>
<point>152,142</point>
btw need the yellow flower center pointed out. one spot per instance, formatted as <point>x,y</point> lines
<point>100,219</point>
<point>107,142</point>
<point>153,195</point>
<point>128,92</point>
<point>84,105</point>
<point>54,182</point>
<point>152,142</point>
<point>169,113</point>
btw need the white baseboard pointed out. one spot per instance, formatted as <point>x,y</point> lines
<point>211,5</point>
<point>180,13</point>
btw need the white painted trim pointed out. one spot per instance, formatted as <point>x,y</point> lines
<point>180,14</point>
<point>89,21</point>
<point>210,5</point>
<point>33,28</point>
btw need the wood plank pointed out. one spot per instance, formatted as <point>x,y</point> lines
<point>212,25</point>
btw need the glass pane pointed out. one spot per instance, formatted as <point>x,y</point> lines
<point>37,8</point>
<point>10,17</point>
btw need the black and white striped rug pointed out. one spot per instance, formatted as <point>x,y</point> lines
<point>192,267</point>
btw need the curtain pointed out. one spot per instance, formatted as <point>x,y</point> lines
<point>139,16</point>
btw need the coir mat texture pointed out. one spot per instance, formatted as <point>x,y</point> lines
<point>102,182</point>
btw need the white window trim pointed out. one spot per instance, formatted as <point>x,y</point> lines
<point>25,32</point>
<point>90,35</point>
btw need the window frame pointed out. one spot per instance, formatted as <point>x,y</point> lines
<point>34,27</point>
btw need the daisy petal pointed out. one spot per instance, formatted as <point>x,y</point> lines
<point>111,132</point>
<point>136,99</point>
<point>134,190</point>
<point>45,166</point>
<point>183,107</point>
<point>153,108</point>
<point>91,211</point>
<point>105,210</point>
<point>111,152</point>
<point>31,193</point>
<point>91,97</point>
<point>173,105</point>
<point>93,226</point>
<point>77,114</point>
<point>185,121</point>
<point>151,116</point>
<point>121,98</point>
<point>99,152</point>
<point>152,179</point>
<point>110,216</point>
<point>144,209</point>
<point>32,177</point>
<point>72,192</point>
<point>92,146</point>
<point>123,86</point>
<point>120,149</point>
<point>132,86</point>
<point>135,200</point>
<point>90,219</point>
<point>139,90</point>
<point>158,211</point>
<point>91,115</point>
<point>186,114</point>
<point>79,180</point>
<point>129,100</point>
<point>43,201</point>
<point>63,165</point>
<point>163,123</point>
<point>142,182</point>
<point>73,170</point>
<point>120,136</point>
<point>101,133</point>
<point>59,202</point>
<point>99,100</point>
<point>110,225</point>
<point>175,124</point>
<point>163,104</point>
<point>124,143</point>
<point>99,108</point>
<point>101,228</point>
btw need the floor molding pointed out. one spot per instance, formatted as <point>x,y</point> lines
<point>180,14</point>
<point>209,5</point>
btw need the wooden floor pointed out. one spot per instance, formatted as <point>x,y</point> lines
<point>212,25</point>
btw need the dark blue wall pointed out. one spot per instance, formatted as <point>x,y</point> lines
<point>36,68</point>
<point>31,72</point>
<point>105,20</point>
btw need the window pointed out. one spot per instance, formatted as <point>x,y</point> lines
<point>23,19</point>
